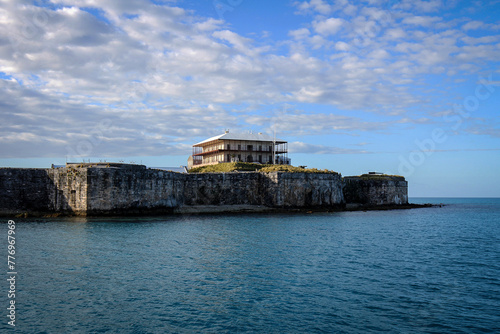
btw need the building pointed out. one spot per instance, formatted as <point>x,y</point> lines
<point>235,147</point>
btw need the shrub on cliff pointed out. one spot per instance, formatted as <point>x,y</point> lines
<point>253,167</point>
<point>227,167</point>
<point>293,169</point>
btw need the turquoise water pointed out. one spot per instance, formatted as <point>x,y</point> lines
<point>431,270</point>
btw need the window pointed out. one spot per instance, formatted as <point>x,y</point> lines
<point>239,147</point>
<point>250,147</point>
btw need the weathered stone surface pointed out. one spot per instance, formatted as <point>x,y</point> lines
<point>115,191</point>
<point>39,191</point>
<point>119,191</point>
<point>379,190</point>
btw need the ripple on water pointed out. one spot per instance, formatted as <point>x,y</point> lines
<point>424,270</point>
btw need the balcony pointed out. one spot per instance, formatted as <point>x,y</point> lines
<point>225,150</point>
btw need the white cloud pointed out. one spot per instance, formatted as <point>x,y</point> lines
<point>300,33</point>
<point>299,123</point>
<point>154,70</point>
<point>79,130</point>
<point>491,129</point>
<point>472,25</point>
<point>342,46</point>
<point>319,6</point>
<point>301,147</point>
<point>481,40</point>
<point>425,21</point>
<point>239,43</point>
<point>397,33</point>
<point>425,6</point>
<point>209,25</point>
<point>329,26</point>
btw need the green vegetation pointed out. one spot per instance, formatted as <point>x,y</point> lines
<point>226,167</point>
<point>293,169</point>
<point>253,167</point>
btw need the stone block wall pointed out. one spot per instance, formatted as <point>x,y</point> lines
<point>225,189</point>
<point>120,191</point>
<point>307,190</point>
<point>68,190</point>
<point>376,190</point>
<point>24,190</point>
<point>40,191</point>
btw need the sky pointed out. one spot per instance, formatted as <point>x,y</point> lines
<point>405,87</point>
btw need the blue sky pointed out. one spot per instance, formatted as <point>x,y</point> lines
<point>401,87</point>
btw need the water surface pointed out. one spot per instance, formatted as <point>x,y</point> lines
<point>429,270</point>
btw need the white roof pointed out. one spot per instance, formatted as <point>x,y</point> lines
<point>242,136</point>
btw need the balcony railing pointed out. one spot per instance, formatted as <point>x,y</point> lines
<point>278,162</point>
<point>279,151</point>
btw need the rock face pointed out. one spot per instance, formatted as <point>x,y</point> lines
<point>375,190</point>
<point>110,191</point>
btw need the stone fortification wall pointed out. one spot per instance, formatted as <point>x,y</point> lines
<point>309,190</point>
<point>375,190</point>
<point>117,191</point>
<point>23,190</point>
<point>41,191</point>
<point>276,189</point>
<point>100,191</point>
<point>224,189</point>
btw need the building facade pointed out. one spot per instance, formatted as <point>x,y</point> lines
<point>235,147</point>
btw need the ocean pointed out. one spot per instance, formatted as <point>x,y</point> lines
<point>427,270</point>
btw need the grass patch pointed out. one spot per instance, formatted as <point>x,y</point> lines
<point>293,169</point>
<point>252,167</point>
<point>227,167</point>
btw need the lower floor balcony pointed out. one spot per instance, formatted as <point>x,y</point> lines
<point>250,159</point>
